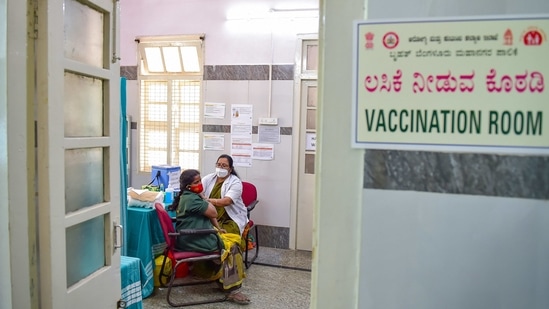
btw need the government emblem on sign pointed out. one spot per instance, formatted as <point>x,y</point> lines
<point>369,40</point>
<point>533,36</point>
<point>508,37</point>
<point>390,40</point>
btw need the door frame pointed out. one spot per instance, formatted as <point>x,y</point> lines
<point>299,76</point>
<point>18,242</point>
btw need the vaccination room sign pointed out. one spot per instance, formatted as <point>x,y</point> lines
<point>452,84</point>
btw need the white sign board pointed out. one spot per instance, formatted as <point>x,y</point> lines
<point>310,143</point>
<point>461,85</point>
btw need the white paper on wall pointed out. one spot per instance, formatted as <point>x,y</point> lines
<point>263,151</point>
<point>268,134</point>
<point>214,141</point>
<point>214,110</point>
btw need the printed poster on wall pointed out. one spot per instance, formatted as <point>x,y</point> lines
<point>262,151</point>
<point>241,134</point>
<point>214,141</point>
<point>452,84</point>
<point>268,134</point>
<point>214,110</point>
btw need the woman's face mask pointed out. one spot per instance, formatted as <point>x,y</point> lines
<point>196,188</point>
<point>221,172</point>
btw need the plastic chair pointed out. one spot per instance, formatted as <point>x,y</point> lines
<point>178,258</point>
<point>249,197</point>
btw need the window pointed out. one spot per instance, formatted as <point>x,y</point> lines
<point>170,79</point>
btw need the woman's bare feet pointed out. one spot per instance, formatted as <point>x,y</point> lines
<point>238,297</point>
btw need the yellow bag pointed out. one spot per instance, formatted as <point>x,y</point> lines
<point>158,265</point>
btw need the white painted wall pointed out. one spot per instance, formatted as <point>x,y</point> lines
<point>272,178</point>
<point>227,42</point>
<point>429,250</point>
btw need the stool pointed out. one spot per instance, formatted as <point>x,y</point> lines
<point>130,273</point>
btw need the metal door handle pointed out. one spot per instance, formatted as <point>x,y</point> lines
<point>116,238</point>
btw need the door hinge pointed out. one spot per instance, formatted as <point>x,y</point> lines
<point>32,31</point>
<point>121,304</point>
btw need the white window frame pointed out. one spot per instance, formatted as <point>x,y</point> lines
<point>176,97</point>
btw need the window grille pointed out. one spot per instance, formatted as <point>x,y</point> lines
<point>171,100</point>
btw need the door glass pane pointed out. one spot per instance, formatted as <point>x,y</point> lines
<point>83,40</point>
<point>311,96</point>
<point>312,58</point>
<point>83,178</point>
<point>311,119</point>
<point>83,106</point>
<point>85,249</point>
<point>309,163</point>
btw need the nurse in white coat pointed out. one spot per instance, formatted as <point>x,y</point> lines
<point>224,190</point>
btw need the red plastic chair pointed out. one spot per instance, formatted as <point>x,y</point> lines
<point>178,258</point>
<point>249,197</point>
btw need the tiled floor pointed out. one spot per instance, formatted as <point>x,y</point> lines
<point>280,279</point>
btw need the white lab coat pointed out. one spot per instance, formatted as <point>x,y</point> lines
<point>231,187</point>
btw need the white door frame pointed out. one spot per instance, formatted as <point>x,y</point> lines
<point>299,75</point>
<point>17,208</point>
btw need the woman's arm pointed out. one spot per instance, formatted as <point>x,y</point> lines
<point>210,212</point>
<point>233,190</point>
<point>216,225</point>
<point>221,202</point>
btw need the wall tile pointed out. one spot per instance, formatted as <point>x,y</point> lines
<point>458,173</point>
<point>215,128</point>
<point>273,236</point>
<point>231,72</point>
<point>283,72</point>
<point>129,72</point>
<point>248,72</point>
<point>236,72</point>
<point>286,131</point>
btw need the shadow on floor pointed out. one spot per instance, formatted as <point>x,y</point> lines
<point>280,279</point>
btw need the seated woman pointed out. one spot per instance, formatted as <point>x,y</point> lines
<point>224,190</point>
<point>193,212</point>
